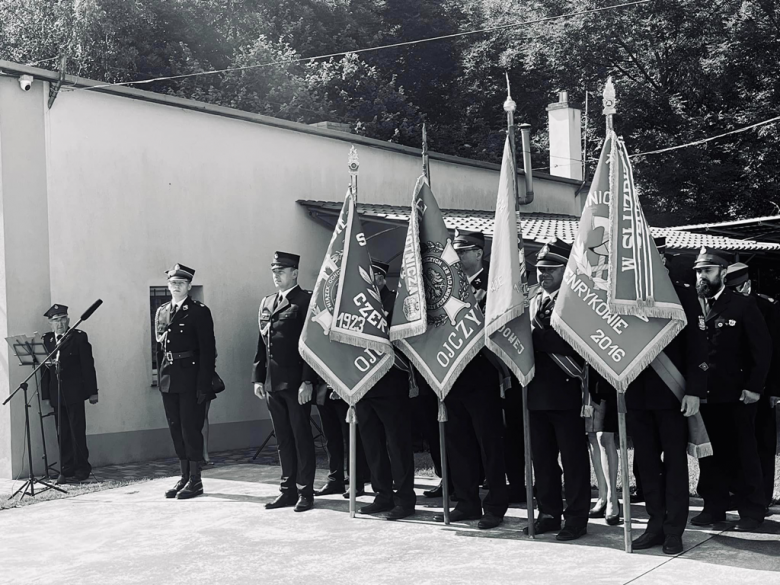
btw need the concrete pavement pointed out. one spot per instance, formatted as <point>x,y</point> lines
<point>133,535</point>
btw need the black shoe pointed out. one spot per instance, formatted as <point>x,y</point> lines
<point>747,524</point>
<point>194,486</point>
<point>571,533</point>
<point>673,545</point>
<point>613,520</point>
<point>708,519</point>
<point>458,516</point>
<point>598,512</point>
<point>304,503</point>
<point>636,498</point>
<point>82,475</point>
<point>376,508</point>
<point>398,512</point>
<point>544,524</point>
<point>361,491</point>
<point>281,501</point>
<point>185,476</point>
<point>436,492</point>
<point>648,540</point>
<point>489,521</point>
<point>329,489</point>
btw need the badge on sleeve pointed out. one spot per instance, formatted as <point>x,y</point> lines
<point>702,325</point>
<point>732,322</point>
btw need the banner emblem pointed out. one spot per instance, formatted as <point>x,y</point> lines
<point>443,276</point>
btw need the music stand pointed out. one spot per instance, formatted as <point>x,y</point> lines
<point>319,435</point>
<point>28,349</point>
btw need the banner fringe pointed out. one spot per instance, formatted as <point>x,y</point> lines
<point>341,337</point>
<point>503,319</point>
<point>524,379</point>
<point>641,309</point>
<point>399,332</point>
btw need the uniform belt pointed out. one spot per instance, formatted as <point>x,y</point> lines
<point>170,356</point>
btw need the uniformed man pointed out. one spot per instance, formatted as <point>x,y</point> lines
<point>739,356</point>
<point>555,399</point>
<point>738,278</point>
<point>384,417</point>
<point>186,358</point>
<point>474,412</point>
<point>659,429</point>
<point>75,369</point>
<point>285,381</point>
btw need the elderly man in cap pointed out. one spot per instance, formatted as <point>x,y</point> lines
<point>555,399</point>
<point>658,408</point>
<point>75,370</point>
<point>739,354</point>
<point>474,411</point>
<point>738,278</point>
<point>186,358</point>
<point>285,381</point>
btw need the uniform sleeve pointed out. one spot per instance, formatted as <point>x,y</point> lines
<point>259,367</point>
<point>87,365</point>
<point>759,347</point>
<point>694,346</point>
<point>548,341</point>
<point>308,374</point>
<point>207,348</point>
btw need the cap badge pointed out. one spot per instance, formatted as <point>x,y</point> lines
<point>703,250</point>
<point>544,251</point>
<point>177,267</point>
<point>56,307</point>
<point>704,366</point>
<point>276,256</point>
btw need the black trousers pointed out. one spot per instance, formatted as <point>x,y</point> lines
<point>185,421</point>
<point>735,464</point>
<point>661,456</point>
<point>384,420</point>
<point>766,438</point>
<point>294,442</point>
<point>72,431</point>
<point>554,432</point>
<point>333,415</point>
<point>475,435</point>
<point>514,441</point>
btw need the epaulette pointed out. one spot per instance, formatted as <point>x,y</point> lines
<point>198,303</point>
<point>766,298</point>
<point>682,284</point>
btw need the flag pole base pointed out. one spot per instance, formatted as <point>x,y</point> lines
<point>529,471</point>
<point>625,492</point>
<point>352,419</point>
<point>445,475</point>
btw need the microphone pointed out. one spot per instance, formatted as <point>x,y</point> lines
<point>88,313</point>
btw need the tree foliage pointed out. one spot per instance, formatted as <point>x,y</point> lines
<point>684,70</point>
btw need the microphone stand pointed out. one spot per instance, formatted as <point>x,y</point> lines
<point>23,386</point>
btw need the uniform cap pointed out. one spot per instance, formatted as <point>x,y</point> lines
<point>56,310</point>
<point>181,271</point>
<point>736,274</point>
<point>660,244</point>
<point>553,254</point>
<point>468,240</point>
<point>709,257</point>
<point>285,260</point>
<point>380,267</point>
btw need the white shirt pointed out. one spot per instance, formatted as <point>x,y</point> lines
<point>282,294</point>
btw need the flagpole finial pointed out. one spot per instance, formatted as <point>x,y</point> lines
<point>609,99</point>
<point>353,164</point>
<point>509,104</point>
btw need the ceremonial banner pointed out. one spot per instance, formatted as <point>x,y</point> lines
<point>507,322</point>
<point>346,337</point>
<point>437,322</point>
<point>617,306</point>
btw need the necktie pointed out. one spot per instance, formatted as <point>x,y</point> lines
<point>277,302</point>
<point>174,308</point>
<point>709,302</point>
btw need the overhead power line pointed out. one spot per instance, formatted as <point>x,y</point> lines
<point>368,49</point>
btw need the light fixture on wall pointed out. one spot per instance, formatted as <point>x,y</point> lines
<point>25,82</point>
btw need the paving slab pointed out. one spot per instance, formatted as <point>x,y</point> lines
<point>132,535</point>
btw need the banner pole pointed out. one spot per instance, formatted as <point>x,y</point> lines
<point>445,475</point>
<point>353,164</point>
<point>509,108</point>
<point>426,164</point>
<point>352,419</point>
<point>625,492</point>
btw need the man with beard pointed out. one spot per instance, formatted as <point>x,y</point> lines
<point>555,398</point>
<point>657,422</point>
<point>475,430</point>
<point>738,278</point>
<point>739,354</point>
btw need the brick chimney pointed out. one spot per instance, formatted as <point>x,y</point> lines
<point>565,127</point>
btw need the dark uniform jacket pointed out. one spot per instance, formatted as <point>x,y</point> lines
<point>770,309</point>
<point>278,364</point>
<point>387,296</point>
<point>740,348</point>
<point>687,351</point>
<point>485,362</point>
<point>77,370</point>
<point>551,388</point>
<point>190,332</point>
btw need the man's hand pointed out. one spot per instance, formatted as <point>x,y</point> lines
<point>749,397</point>
<point>690,405</point>
<point>93,399</point>
<point>304,393</point>
<point>773,400</point>
<point>259,391</point>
